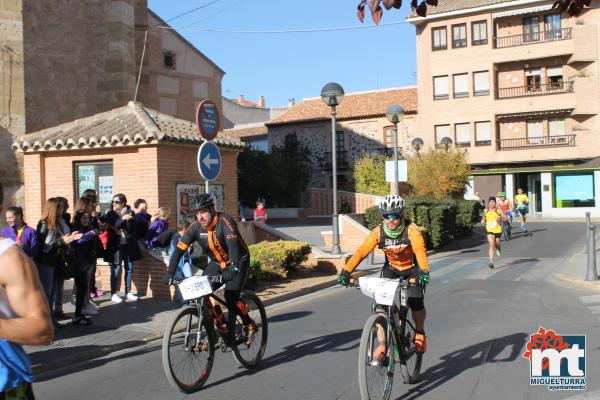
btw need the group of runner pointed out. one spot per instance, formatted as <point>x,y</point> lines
<point>498,217</point>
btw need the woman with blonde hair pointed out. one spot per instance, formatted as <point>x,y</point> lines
<point>159,225</point>
<point>53,237</point>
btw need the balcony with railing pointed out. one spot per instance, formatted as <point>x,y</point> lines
<point>342,160</point>
<point>523,39</point>
<point>535,90</point>
<point>537,142</point>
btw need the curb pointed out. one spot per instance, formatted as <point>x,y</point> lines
<point>579,283</point>
<point>40,369</point>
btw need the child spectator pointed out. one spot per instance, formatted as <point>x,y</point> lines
<point>17,230</point>
<point>184,268</point>
<point>85,251</point>
<point>159,225</point>
<point>260,214</point>
<point>142,218</point>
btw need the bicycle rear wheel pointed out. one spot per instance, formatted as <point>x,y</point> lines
<point>248,349</point>
<point>375,377</point>
<point>410,360</point>
<point>188,351</point>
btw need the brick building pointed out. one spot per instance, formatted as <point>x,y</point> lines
<point>526,105</point>
<point>67,60</point>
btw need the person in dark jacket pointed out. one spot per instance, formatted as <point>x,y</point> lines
<point>121,246</point>
<point>17,230</point>
<point>53,238</point>
<point>60,279</point>
<point>142,218</point>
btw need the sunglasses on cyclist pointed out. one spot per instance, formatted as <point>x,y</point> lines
<point>392,216</point>
<point>116,202</point>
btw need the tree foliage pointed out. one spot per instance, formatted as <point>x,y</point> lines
<point>280,176</point>
<point>439,174</point>
<point>369,175</point>
<point>572,7</point>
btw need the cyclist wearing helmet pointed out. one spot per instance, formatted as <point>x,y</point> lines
<point>228,255</point>
<point>405,256</point>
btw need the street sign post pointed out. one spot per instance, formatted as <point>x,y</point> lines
<point>207,119</point>
<point>402,171</point>
<point>209,161</point>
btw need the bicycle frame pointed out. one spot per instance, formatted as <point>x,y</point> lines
<point>200,304</point>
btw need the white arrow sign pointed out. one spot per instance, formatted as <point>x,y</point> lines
<point>210,161</point>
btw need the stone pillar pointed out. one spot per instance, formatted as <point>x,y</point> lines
<point>509,186</point>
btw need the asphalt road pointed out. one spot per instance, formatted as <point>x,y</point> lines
<point>478,323</point>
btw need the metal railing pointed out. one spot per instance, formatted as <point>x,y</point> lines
<point>533,142</point>
<point>531,38</point>
<point>535,90</point>
<point>342,160</point>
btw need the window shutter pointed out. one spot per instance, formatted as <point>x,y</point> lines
<point>441,131</point>
<point>483,131</point>
<point>463,134</point>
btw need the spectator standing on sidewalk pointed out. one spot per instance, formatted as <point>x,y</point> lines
<point>142,218</point>
<point>96,224</point>
<point>65,222</point>
<point>260,213</point>
<point>159,225</point>
<point>53,240</point>
<point>18,231</point>
<point>24,318</point>
<point>121,247</point>
<point>85,253</point>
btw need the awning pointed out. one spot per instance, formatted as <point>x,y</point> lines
<point>546,166</point>
<point>520,11</point>
<point>562,111</point>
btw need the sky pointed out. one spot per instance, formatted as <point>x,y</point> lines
<point>296,65</point>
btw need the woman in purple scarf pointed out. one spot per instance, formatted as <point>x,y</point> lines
<point>17,230</point>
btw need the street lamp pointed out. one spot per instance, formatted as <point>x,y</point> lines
<point>332,94</point>
<point>417,143</point>
<point>395,114</point>
<point>446,141</point>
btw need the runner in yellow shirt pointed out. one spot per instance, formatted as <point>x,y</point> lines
<point>522,203</point>
<point>492,219</point>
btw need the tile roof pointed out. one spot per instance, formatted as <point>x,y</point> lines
<point>456,5</point>
<point>355,105</point>
<point>129,125</point>
<point>247,131</point>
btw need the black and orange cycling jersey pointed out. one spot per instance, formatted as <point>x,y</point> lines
<point>221,241</point>
<point>398,252</point>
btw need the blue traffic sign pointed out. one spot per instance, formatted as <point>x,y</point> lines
<point>209,161</point>
<point>207,119</point>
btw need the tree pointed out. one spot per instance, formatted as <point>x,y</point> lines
<point>369,175</point>
<point>572,7</point>
<point>439,173</point>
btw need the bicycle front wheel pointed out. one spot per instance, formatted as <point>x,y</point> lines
<point>410,360</point>
<point>375,375</point>
<point>249,346</point>
<point>188,351</point>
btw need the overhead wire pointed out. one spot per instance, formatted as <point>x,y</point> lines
<point>192,10</point>
<point>214,14</point>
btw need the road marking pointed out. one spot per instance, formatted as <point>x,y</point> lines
<point>514,270</point>
<point>463,272</point>
<point>594,298</point>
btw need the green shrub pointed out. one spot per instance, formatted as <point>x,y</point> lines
<point>467,215</point>
<point>369,175</point>
<point>372,217</point>
<point>273,260</point>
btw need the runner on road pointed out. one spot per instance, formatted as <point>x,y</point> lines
<point>492,217</point>
<point>522,202</point>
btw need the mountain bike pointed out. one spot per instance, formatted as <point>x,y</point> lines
<point>193,334</point>
<point>507,226</point>
<point>390,319</point>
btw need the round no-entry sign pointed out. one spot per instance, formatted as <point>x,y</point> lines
<point>207,119</point>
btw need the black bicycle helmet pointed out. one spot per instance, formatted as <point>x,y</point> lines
<point>200,201</point>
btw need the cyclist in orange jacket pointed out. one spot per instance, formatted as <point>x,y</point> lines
<point>405,256</point>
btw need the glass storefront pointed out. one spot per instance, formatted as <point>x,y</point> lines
<point>573,189</point>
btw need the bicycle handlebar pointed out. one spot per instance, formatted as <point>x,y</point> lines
<point>411,281</point>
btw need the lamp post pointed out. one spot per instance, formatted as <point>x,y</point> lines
<point>417,143</point>
<point>446,141</point>
<point>395,114</point>
<point>332,94</point>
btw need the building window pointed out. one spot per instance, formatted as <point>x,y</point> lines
<point>481,83</point>
<point>291,140</point>
<point>552,26</point>
<point>169,60</point>
<point>462,136</point>
<point>438,38</point>
<point>555,77</point>
<point>531,29</point>
<point>483,133</point>
<point>97,175</point>
<point>556,127</point>
<point>339,140</point>
<point>535,131</point>
<point>440,87</point>
<point>479,33</point>
<point>461,85</point>
<point>573,189</point>
<point>534,79</point>
<point>389,141</point>
<point>441,131</point>
<point>258,145</point>
<point>459,35</point>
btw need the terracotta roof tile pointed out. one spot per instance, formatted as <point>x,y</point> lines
<point>354,105</point>
<point>128,125</point>
<point>244,132</point>
<point>455,5</point>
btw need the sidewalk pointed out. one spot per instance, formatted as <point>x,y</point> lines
<point>575,270</point>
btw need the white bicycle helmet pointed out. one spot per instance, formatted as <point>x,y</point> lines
<point>391,204</point>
